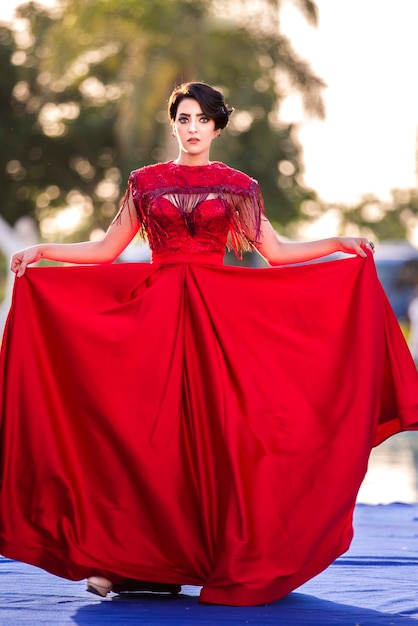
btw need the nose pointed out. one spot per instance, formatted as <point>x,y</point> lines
<point>192,126</point>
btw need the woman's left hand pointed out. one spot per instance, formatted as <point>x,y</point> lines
<point>356,245</point>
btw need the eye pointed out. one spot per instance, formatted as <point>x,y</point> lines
<point>183,120</point>
<point>204,120</point>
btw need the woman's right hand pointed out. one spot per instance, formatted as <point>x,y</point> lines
<point>20,260</point>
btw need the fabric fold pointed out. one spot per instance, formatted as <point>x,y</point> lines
<point>195,424</point>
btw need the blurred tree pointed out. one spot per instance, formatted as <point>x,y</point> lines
<point>54,137</point>
<point>13,135</point>
<point>86,95</point>
<point>395,219</point>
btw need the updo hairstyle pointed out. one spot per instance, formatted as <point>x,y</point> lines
<point>211,102</point>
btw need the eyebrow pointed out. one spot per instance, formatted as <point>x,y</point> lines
<point>188,114</point>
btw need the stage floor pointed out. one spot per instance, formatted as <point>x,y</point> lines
<point>374,584</point>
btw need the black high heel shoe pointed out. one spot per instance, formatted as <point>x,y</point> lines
<point>137,586</point>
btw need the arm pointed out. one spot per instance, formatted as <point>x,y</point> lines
<point>277,252</point>
<point>119,234</point>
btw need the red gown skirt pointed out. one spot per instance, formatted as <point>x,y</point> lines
<point>195,424</point>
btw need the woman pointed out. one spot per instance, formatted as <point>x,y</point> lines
<point>198,114</point>
<point>187,422</point>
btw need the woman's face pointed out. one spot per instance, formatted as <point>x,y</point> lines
<point>194,131</point>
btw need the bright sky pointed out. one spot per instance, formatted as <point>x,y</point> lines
<point>367,52</point>
<point>7,7</point>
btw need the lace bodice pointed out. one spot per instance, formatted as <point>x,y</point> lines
<point>195,210</point>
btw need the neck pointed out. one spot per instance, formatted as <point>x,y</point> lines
<point>192,160</point>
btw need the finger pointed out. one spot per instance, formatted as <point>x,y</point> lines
<point>360,250</point>
<point>368,245</point>
<point>21,270</point>
<point>15,262</point>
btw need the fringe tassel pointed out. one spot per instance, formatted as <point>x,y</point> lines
<point>245,208</point>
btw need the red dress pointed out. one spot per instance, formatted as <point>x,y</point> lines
<point>190,423</point>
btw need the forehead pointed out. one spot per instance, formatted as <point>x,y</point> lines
<point>189,106</point>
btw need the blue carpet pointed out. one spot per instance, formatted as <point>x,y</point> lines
<point>374,584</point>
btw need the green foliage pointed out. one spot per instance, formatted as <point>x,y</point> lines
<point>85,96</point>
<point>13,132</point>
<point>396,219</point>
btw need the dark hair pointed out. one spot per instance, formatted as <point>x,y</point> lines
<point>211,101</point>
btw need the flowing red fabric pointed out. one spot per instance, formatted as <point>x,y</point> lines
<point>190,423</point>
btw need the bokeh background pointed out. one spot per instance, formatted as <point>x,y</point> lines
<point>326,117</point>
